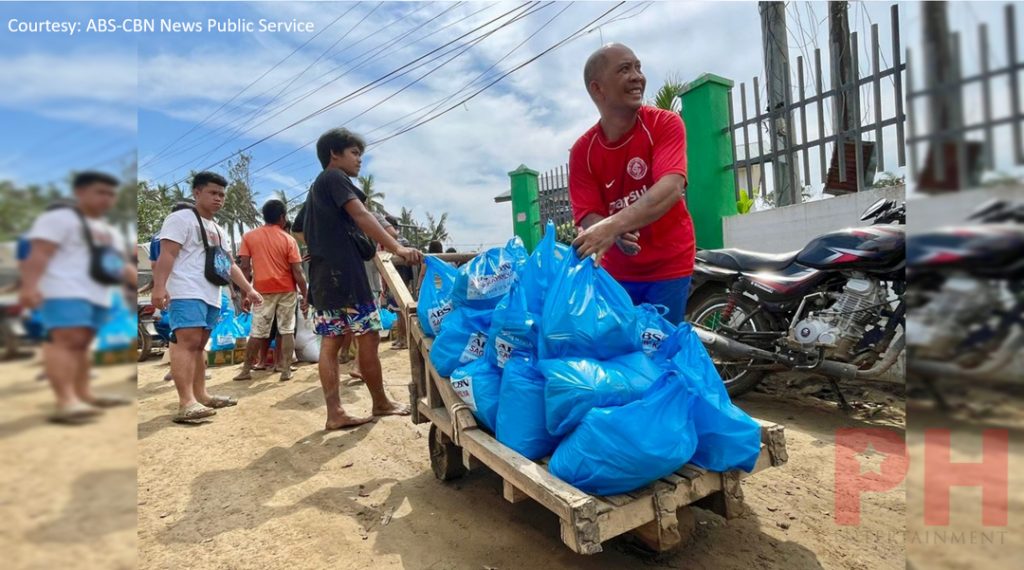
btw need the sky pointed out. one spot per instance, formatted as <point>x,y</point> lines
<point>190,100</point>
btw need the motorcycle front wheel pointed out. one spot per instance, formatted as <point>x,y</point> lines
<point>145,343</point>
<point>708,312</point>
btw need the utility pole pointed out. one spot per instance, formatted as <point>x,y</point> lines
<point>945,101</point>
<point>776,65</point>
<point>842,63</point>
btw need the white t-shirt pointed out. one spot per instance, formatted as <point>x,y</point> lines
<point>67,274</point>
<point>188,276</point>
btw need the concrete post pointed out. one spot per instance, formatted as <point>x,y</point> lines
<point>525,207</point>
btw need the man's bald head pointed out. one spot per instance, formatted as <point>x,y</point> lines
<point>598,62</point>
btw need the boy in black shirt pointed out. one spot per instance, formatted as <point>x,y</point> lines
<point>338,285</point>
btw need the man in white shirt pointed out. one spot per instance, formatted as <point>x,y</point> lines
<point>71,281</point>
<point>192,301</point>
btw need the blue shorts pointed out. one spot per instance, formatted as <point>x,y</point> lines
<point>72,313</point>
<point>191,314</point>
<point>671,294</point>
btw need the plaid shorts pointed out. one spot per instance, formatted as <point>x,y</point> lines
<point>358,320</point>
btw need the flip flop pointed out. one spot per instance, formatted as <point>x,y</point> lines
<point>217,402</point>
<point>110,401</point>
<point>193,412</point>
<point>75,414</point>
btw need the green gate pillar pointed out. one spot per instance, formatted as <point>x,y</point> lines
<point>711,194</point>
<point>525,207</point>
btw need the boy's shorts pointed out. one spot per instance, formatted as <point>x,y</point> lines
<point>358,320</point>
<point>72,313</point>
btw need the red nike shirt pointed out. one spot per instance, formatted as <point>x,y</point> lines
<point>605,177</point>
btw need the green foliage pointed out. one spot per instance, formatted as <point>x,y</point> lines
<point>19,206</point>
<point>420,235</point>
<point>565,232</point>
<point>374,199</point>
<point>888,180</point>
<point>744,204</point>
<point>667,95</point>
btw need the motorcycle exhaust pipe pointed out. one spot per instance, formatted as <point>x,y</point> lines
<point>939,369</point>
<point>840,370</point>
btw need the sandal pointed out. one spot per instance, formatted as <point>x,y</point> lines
<point>192,412</point>
<point>217,402</point>
<point>75,414</point>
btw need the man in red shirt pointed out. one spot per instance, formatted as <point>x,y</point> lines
<point>627,183</point>
<point>270,256</point>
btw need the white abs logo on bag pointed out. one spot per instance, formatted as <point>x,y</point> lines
<point>637,168</point>
<point>474,348</point>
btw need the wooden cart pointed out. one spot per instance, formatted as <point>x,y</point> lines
<point>659,515</point>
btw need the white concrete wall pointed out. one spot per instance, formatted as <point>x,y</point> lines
<point>929,212</point>
<point>790,228</point>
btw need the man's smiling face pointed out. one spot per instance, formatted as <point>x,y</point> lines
<point>621,83</point>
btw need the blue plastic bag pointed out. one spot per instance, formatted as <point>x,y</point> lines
<point>728,438</point>
<point>244,323</point>
<point>435,300</point>
<point>227,329</point>
<point>653,327</point>
<point>587,313</point>
<point>541,269</point>
<point>576,385</point>
<point>513,331</point>
<point>521,413</point>
<point>479,385</point>
<point>483,281</point>
<point>621,449</point>
<point>462,340</point>
<point>387,319</point>
<point>121,328</point>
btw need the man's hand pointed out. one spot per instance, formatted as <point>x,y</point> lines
<point>253,296</point>
<point>30,298</point>
<point>629,243</point>
<point>160,298</point>
<point>304,305</point>
<point>410,255</point>
<point>597,239</point>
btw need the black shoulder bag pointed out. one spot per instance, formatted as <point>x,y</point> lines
<point>364,245</point>
<point>218,262</point>
<point>106,264</point>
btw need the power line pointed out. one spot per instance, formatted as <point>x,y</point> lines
<point>579,33</point>
<point>468,46</point>
<point>244,89</point>
<point>360,90</point>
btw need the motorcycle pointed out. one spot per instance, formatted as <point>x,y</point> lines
<point>149,337</point>
<point>833,308</point>
<point>12,330</point>
<point>966,301</point>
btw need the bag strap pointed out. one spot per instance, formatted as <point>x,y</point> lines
<point>86,233</point>
<point>202,229</point>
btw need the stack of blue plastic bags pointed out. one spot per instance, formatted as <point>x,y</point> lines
<point>553,358</point>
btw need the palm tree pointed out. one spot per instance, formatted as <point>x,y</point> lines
<point>667,96</point>
<point>374,199</point>
<point>436,230</point>
<point>292,205</point>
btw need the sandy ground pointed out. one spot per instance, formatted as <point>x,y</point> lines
<point>67,494</point>
<point>262,486</point>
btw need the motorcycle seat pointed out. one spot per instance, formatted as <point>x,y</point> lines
<point>742,260</point>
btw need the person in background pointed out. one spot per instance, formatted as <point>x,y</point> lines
<point>270,257</point>
<point>74,260</point>
<point>339,288</point>
<point>192,300</point>
<point>435,247</point>
<point>627,186</point>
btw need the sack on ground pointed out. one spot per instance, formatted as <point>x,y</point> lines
<point>387,319</point>
<point>307,343</point>
<point>576,385</point>
<point>479,385</point>
<point>587,313</point>
<point>121,328</point>
<point>483,281</point>
<point>728,438</point>
<point>513,332</point>
<point>435,300</point>
<point>541,269</point>
<point>621,449</point>
<point>520,423</point>
<point>462,340</point>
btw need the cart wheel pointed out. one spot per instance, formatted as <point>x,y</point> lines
<point>445,456</point>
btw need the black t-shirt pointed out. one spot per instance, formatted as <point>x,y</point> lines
<point>337,276</point>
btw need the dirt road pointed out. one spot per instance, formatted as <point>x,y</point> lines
<point>262,486</point>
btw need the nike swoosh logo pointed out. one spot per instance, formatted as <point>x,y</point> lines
<point>609,185</point>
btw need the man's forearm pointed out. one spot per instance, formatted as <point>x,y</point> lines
<point>32,271</point>
<point>589,220</point>
<point>161,271</point>
<point>652,205</point>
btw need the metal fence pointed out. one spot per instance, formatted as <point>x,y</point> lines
<point>782,127</point>
<point>952,159</point>
<point>553,196</point>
